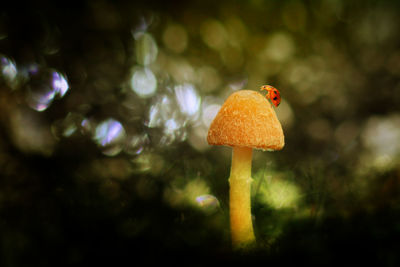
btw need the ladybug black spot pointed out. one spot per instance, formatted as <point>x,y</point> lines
<point>275,98</point>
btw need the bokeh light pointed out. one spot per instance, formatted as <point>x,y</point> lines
<point>143,82</point>
<point>188,100</point>
<point>279,47</point>
<point>175,38</point>
<point>191,193</point>
<point>68,126</point>
<point>44,86</point>
<point>214,34</point>
<point>208,203</point>
<point>110,135</point>
<point>380,135</point>
<point>277,192</point>
<point>8,71</point>
<point>146,49</point>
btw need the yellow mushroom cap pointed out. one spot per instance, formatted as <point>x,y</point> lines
<point>247,119</point>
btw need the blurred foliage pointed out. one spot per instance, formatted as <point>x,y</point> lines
<point>105,107</point>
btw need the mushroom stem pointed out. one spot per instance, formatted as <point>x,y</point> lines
<point>239,196</point>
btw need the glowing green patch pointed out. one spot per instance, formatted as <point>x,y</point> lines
<point>278,193</point>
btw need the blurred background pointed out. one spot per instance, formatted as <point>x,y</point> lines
<point>105,108</point>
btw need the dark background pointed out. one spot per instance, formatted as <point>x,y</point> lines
<point>105,106</point>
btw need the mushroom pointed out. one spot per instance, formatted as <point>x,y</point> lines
<point>245,121</point>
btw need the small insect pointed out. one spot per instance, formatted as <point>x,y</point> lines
<point>273,94</point>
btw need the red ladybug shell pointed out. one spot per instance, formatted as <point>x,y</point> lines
<point>273,94</point>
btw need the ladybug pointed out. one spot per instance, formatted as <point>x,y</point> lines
<point>273,94</point>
